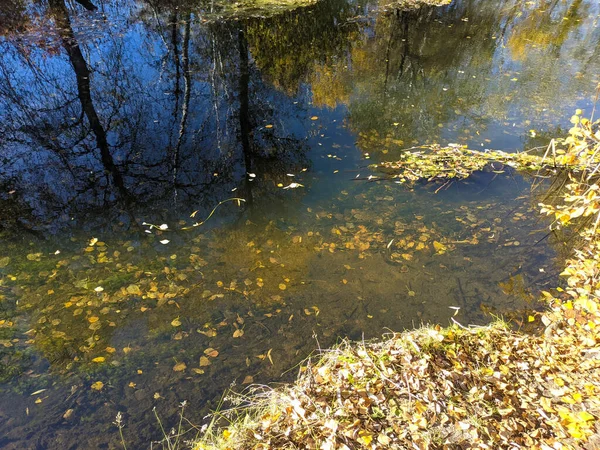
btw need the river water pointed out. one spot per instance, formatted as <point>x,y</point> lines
<point>126,124</point>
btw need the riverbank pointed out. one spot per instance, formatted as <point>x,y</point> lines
<point>457,387</point>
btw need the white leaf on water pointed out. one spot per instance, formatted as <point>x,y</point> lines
<point>293,186</point>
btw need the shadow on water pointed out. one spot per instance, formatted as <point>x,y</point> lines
<point>120,114</point>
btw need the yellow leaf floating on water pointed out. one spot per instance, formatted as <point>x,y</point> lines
<point>93,319</point>
<point>314,118</point>
<point>211,352</point>
<point>282,286</point>
<point>179,367</point>
<point>99,359</point>
<point>97,386</point>
<point>176,322</point>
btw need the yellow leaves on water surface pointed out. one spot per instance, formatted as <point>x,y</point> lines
<point>176,322</point>
<point>97,386</point>
<point>99,359</point>
<point>93,319</point>
<point>179,367</point>
<point>282,286</point>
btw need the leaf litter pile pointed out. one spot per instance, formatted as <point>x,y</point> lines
<point>484,387</point>
<point>457,387</point>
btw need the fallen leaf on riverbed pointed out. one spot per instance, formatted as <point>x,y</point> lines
<point>204,361</point>
<point>238,333</point>
<point>439,247</point>
<point>179,367</point>
<point>211,352</point>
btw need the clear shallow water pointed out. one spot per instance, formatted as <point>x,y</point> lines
<point>147,112</point>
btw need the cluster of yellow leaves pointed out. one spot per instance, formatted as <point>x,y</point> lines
<point>580,153</point>
<point>352,238</point>
<point>437,163</point>
<point>434,387</point>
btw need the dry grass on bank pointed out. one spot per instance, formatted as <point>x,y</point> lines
<point>483,387</point>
